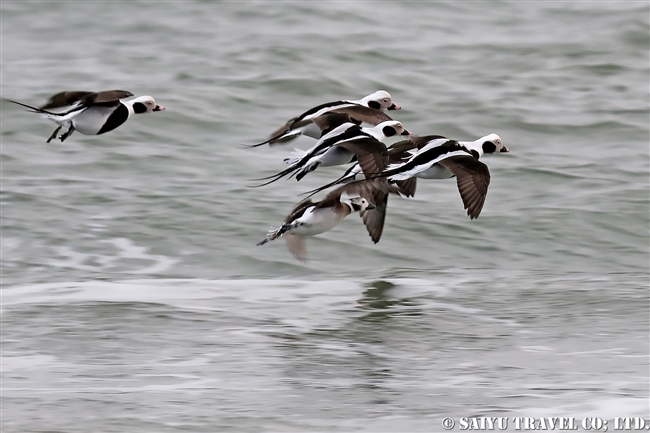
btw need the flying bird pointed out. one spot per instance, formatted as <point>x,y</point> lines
<point>309,218</point>
<point>441,158</point>
<point>92,113</point>
<point>332,148</point>
<point>369,109</point>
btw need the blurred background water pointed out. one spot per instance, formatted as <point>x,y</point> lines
<point>134,297</point>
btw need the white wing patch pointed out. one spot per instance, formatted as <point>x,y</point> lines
<point>295,156</point>
<point>422,167</point>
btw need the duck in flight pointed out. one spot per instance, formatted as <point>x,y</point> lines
<point>92,113</point>
<point>428,157</point>
<point>368,109</point>
<point>310,218</point>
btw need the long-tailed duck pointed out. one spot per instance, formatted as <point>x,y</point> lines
<point>92,113</point>
<point>332,148</point>
<point>441,158</point>
<point>426,157</point>
<point>368,109</point>
<point>309,218</point>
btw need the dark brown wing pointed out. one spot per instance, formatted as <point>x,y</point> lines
<point>296,245</point>
<point>329,121</point>
<point>105,98</point>
<point>473,178</point>
<point>365,114</point>
<point>400,148</point>
<point>371,154</point>
<point>374,219</point>
<point>64,99</point>
<point>407,186</point>
<point>376,192</point>
<point>284,129</point>
<point>298,210</point>
<point>421,141</point>
<point>364,188</point>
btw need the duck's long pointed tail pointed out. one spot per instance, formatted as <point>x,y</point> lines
<point>278,138</point>
<point>273,178</point>
<point>33,109</point>
<point>349,175</point>
<point>274,233</point>
<point>289,170</point>
<point>257,144</point>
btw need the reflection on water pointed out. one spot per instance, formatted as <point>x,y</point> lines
<point>357,349</point>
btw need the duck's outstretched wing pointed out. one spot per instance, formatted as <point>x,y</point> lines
<point>370,152</point>
<point>296,245</point>
<point>361,113</point>
<point>473,179</point>
<point>374,219</point>
<point>80,99</point>
<point>376,191</point>
<point>65,99</point>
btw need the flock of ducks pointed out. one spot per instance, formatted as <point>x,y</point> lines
<point>375,170</point>
<point>386,170</point>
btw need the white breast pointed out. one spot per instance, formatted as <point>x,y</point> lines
<point>335,156</point>
<point>436,171</point>
<point>316,222</point>
<point>91,120</point>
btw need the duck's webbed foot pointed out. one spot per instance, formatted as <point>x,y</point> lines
<point>68,133</point>
<point>53,136</point>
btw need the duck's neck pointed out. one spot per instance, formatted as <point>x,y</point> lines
<point>348,208</point>
<point>129,106</point>
<point>474,146</point>
<point>376,131</point>
<point>135,106</point>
